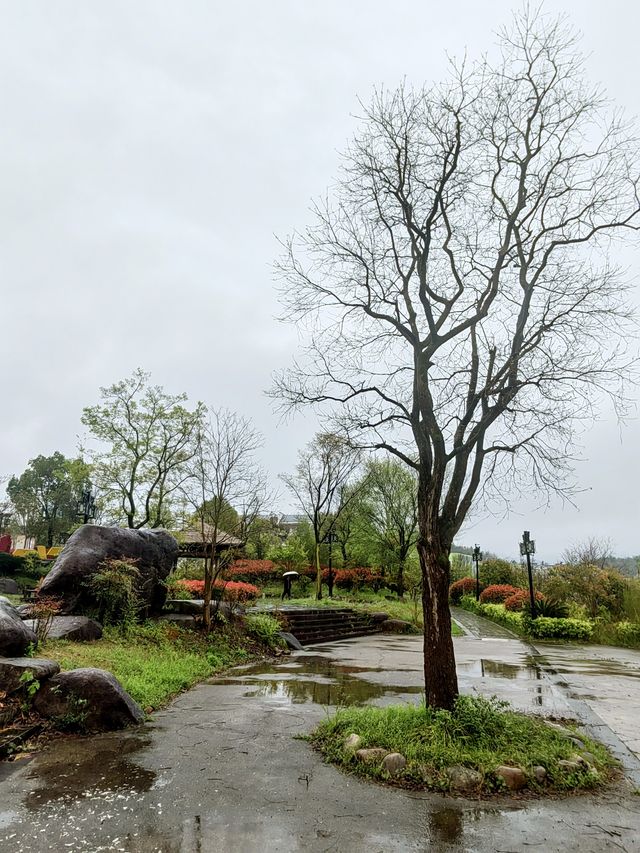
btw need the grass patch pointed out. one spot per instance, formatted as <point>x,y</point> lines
<point>479,734</point>
<point>156,661</point>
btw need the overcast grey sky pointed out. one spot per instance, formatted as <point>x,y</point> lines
<point>149,154</point>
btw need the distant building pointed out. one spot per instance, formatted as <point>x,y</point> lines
<point>290,523</point>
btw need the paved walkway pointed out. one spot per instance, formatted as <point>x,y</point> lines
<point>222,770</point>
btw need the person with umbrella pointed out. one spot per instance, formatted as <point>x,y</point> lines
<point>287,578</point>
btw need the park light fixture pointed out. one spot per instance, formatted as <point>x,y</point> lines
<point>476,556</point>
<point>87,505</point>
<point>527,548</point>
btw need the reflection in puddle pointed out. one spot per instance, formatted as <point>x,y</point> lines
<point>484,668</point>
<point>313,678</point>
<point>448,825</point>
<point>77,768</point>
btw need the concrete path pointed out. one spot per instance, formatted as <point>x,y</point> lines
<point>221,770</point>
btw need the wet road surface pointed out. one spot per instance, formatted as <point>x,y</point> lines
<point>221,769</point>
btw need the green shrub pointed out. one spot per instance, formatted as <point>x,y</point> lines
<point>113,588</point>
<point>266,629</point>
<point>547,628</point>
<point>11,565</point>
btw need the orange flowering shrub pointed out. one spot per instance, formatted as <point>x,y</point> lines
<point>520,599</point>
<point>230,590</point>
<point>497,593</point>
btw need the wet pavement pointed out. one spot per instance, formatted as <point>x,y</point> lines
<point>221,769</point>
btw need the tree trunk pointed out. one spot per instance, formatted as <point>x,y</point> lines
<point>440,679</point>
<point>206,595</point>
<point>400,577</point>
<point>318,573</point>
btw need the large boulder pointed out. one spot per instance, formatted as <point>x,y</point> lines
<point>79,628</point>
<point>9,587</point>
<point>15,636</point>
<point>12,670</point>
<point>155,552</point>
<point>87,699</point>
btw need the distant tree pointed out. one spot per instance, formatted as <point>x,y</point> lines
<point>324,468</point>
<point>226,489</point>
<point>462,308</point>
<point>494,570</point>
<point>590,552</point>
<point>145,440</point>
<point>291,554</point>
<point>391,505</point>
<point>46,495</point>
<point>597,590</point>
<point>264,536</point>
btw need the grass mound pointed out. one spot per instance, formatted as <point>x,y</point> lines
<point>156,661</point>
<point>479,734</point>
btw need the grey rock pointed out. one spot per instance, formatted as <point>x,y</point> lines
<point>4,600</point>
<point>195,607</point>
<point>178,618</point>
<point>378,617</point>
<point>24,610</point>
<point>89,699</point>
<point>291,641</point>
<point>570,766</point>
<point>12,670</point>
<point>353,741</point>
<point>154,551</point>
<point>374,755</point>
<point>513,777</point>
<point>565,732</point>
<point>463,779</point>
<point>9,586</point>
<point>396,626</point>
<point>540,774</point>
<point>15,636</point>
<point>394,763</point>
<point>79,628</point>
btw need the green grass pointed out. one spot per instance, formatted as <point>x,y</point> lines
<point>367,602</point>
<point>156,661</point>
<point>479,733</point>
<point>14,599</point>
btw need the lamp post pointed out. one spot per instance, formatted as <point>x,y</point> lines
<point>527,548</point>
<point>476,556</point>
<point>330,538</point>
<point>87,505</point>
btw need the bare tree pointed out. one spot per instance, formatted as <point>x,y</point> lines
<point>589,552</point>
<point>324,468</point>
<point>226,489</point>
<point>462,309</point>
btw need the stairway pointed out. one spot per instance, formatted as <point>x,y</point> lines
<point>311,625</point>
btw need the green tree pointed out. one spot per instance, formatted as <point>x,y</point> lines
<point>390,504</point>
<point>45,497</point>
<point>145,440</point>
<point>264,536</point>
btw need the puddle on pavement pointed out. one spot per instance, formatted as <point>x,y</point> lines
<point>316,679</point>
<point>76,768</point>
<point>485,668</point>
<point>447,825</point>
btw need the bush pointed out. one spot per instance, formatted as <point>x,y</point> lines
<point>114,589</point>
<point>264,628</point>
<point>549,607</point>
<point>354,579</point>
<point>520,599</point>
<point>628,634</point>
<point>497,593</point>
<point>10,565</point>
<point>465,586</point>
<point>176,589</point>
<point>546,628</point>
<point>233,591</point>
<point>253,570</point>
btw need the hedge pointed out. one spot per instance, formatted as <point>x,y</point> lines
<point>542,628</point>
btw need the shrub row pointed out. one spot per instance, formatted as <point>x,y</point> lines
<point>544,627</point>
<point>228,590</point>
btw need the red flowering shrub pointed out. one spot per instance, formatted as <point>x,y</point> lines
<point>520,599</point>
<point>254,570</point>
<point>497,593</point>
<point>465,586</point>
<point>354,578</point>
<point>230,590</point>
